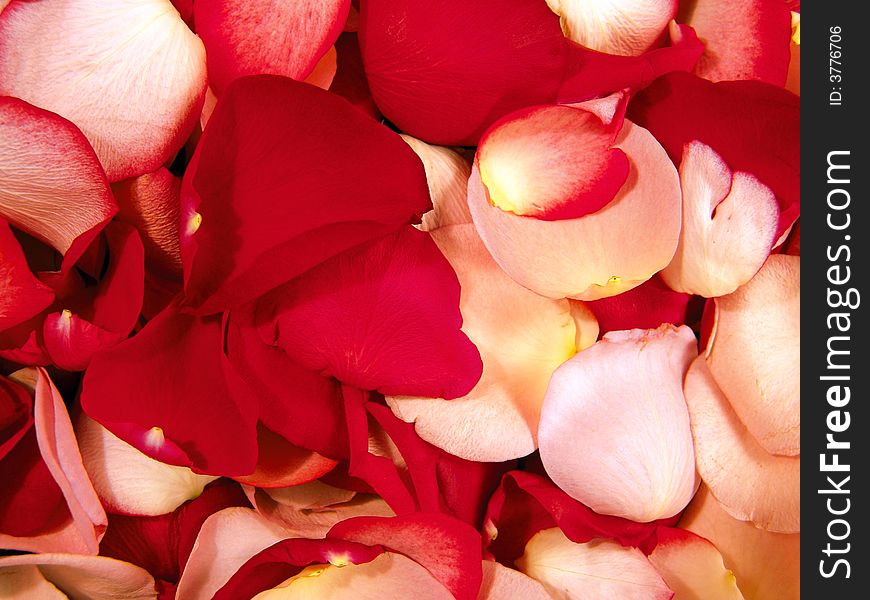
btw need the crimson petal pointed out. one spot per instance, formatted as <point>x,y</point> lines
<point>22,296</point>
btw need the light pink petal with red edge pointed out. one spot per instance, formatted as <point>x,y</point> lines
<point>130,482</point>
<point>625,27</point>
<point>92,577</point>
<point>595,569</point>
<point>601,254</point>
<point>746,39</point>
<point>22,295</point>
<point>267,37</point>
<point>51,183</point>
<point>502,583</point>
<point>729,224</point>
<point>130,75</point>
<point>614,430</point>
<point>522,338</point>
<point>766,564</point>
<point>751,484</point>
<point>225,542</point>
<point>754,353</point>
<point>447,175</point>
<point>693,567</point>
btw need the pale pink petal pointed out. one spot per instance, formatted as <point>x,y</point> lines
<point>729,225</point>
<point>596,569</point>
<point>754,353</point>
<point>26,582</point>
<point>251,37</point>
<point>522,337</point>
<point>600,254</point>
<point>311,495</point>
<point>129,74</point>
<point>614,430</point>
<point>693,567</point>
<point>766,564</point>
<point>225,542</point>
<point>447,175</point>
<point>502,583</point>
<point>623,27</point>
<point>130,482</point>
<point>91,577</point>
<point>387,576</point>
<point>751,484</point>
<point>51,183</point>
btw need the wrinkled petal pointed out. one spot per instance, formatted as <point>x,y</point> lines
<point>253,37</point>
<point>447,175</point>
<point>729,223</point>
<point>248,219</point>
<point>595,569</point>
<point>614,428</point>
<point>751,484</point>
<point>22,296</point>
<point>498,419</point>
<point>645,307</point>
<point>130,75</point>
<point>51,184</point>
<point>693,567</point>
<point>754,354</point>
<point>502,583</point>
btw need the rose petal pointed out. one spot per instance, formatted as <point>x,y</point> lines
<point>447,175</point>
<point>263,36</point>
<point>614,430</point>
<point>498,419</point>
<point>131,75</point>
<point>754,354</point>
<point>248,175</point>
<point>751,484</point>
<point>501,583</point>
<point>647,306</point>
<point>693,567</point>
<point>48,168</point>
<point>26,581</point>
<point>584,258</point>
<point>350,77</point>
<point>280,463</point>
<point>22,296</point>
<point>596,569</point>
<point>729,223</point>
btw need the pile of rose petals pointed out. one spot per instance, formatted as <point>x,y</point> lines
<point>399,299</point>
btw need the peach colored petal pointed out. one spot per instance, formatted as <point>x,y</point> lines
<point>754,353</point>
<point>596,569</point>
<point>225,542</point>
<point>447,175</point>
<point>387,576</point>
<point>586,324</point>
<point>729,224</point>
<point>325,69</point>
<point>130,482</point>
<point>51,184</point>
<point>91,577</point>
<point>693,568</point>
<point>502,583</point>
<point>311,495</point>
<point>26,582</point>
<point>614,430</point>
<point>751,484</point>
<point>624,27</point>
<point>766,564</point>
<point>129,74</point>
<point>600,254</point>
<point>522,337</point>
<point>208,106</point>
<point>793,81</point>
<point>81,534</point>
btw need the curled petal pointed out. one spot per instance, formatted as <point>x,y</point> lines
<point>729,223</point>
<point>22,295</point>
<point>280,463</point>
<point>130,75</point>
<point>754,353</point>
<point>693,567</point>
<point>751,484</point>
<point>595,569</point>
<point>614,428</point>
<point>447,174</point>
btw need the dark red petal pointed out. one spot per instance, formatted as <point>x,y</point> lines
<point>525,504</point>
<point>383,316</point>
<point>169,391</point>
<point>448,548</point>
<point>281,464</point>
<point>350,80</point>
<point>285,176</point>
<point>22,296</point>
<point>645,307</point>
<point>466,486</point>
<point>753,126</point>
<point>16,414</point>
<point>285,559</point>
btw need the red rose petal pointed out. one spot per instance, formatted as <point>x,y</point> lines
<point>350,78</point>
<point>249,218</point>
<point>647,306</point>
<point>22,296</point>
<point>280,463</point>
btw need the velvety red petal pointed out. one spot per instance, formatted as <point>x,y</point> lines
<point>383,316</point>
<point>253,37</point>
<point>350,80</point>
<point>187,407</point>
<point>51,183</point>
<point>280,463</point>
<point>645,307</point>
<point>250,220</point>
<point>22,296</point>
<point>16,414</point>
